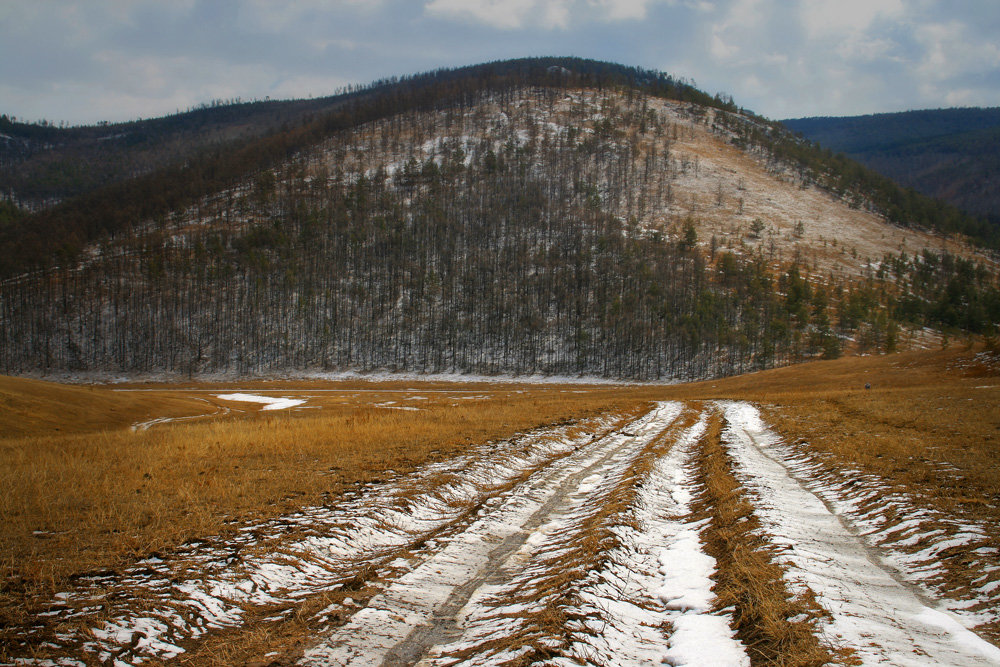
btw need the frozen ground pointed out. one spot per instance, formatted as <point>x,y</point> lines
<point>570,545</point>
<point>873,611</point>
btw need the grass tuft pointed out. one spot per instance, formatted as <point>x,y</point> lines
<point>748,581</point>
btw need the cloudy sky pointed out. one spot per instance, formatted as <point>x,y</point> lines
<point>89,60</point>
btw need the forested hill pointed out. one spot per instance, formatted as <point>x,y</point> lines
<point>42,163</point>
<point>548,216</point>
<point>949,154</point>
<point>189,156</point>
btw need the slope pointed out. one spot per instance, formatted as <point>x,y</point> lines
<point>213,161</point>
<point>949,154</point>
<point>502,228</point>
<point>43,164</point>
<point>30,406</point>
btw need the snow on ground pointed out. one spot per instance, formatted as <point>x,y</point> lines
<point>209,584</point>
<point>485,522</point>
<point>475,556</point>
<point>662,560</point>
<point>910,537</point>
<point>146,425</point>
<point>884,620</point>
<point>400,624</point>
<point>270,402</point>
<point>656,574</point>
<point>108,377</point>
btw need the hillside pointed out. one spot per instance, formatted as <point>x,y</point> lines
<point>526,219</point>
<point>41,165</point>
<point>949,154</point>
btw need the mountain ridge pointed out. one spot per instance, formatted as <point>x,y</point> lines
<point>949,154</point>
<point>565,227</point>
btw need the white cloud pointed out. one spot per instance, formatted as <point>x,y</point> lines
<point>964,97</point>
<point>548,14</point>
<point>620,10</point>
<point>116,59</point>
<point>738,36</point>
<point>823,18</point>
<point>950,50</point>
<point>704,6</point>
<point>866,49</point>
<point>721,48</point>
<point>270,16</point>
<point>502,14</point>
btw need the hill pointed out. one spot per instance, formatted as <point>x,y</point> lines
<point>949,154</point>
<point>551,216</point>
<point>44,164</point>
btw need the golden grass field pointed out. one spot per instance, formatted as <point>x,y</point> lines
<point>930,422</point>
<point>85,491</point>
<point>85,495</point>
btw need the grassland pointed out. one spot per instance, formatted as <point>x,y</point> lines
<point>928,428</point>
<point>85,490</point>
<point>930,421</point>
<point>83,498</point>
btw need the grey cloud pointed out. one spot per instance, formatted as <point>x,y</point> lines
<point>121,59</point>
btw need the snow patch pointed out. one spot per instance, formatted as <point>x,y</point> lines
<point>270,402</point>
<point>872,613</point>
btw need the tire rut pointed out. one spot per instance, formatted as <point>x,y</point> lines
<point>421,608</point>
<point>871,611</point>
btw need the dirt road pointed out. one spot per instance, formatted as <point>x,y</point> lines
<point>580,543</point>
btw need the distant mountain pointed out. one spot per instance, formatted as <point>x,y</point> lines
<point>554,215</point>
<point>41,165</point>
<point>949,154</point>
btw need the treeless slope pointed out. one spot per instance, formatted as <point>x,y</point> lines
<point>723,190</point>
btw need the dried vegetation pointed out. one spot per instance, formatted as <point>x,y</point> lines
<point>86,492</point>
<point>927,431</point>
<point>101,499</point>
<point>929,422</point>
<point>775,624</point>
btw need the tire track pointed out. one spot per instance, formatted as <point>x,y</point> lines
<point>163,606</point>
<point>872,612</point>
<point>617,576</point>
<point>421,608</point>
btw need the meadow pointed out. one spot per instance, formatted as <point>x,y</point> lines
<point>99,478</point>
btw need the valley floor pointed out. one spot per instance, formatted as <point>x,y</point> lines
<point>685,531</point>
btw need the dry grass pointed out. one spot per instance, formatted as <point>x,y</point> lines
<point>33,407</point>
<point>261,642</point>
<point>929,428</point>
<point>84,492</point>
<point>747,580</point>
<point>930,423</point>
<point>100,499</point>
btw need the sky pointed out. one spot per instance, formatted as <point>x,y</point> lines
<point>91,60</point>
